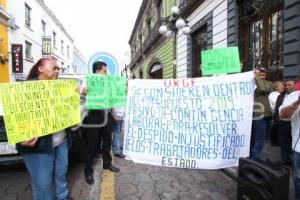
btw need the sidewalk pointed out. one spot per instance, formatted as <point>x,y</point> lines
<point>79,189</point>
<point>148,182</point>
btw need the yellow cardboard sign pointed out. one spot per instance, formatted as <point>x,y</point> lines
<point>38,108</point>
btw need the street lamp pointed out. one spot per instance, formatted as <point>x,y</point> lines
<point>170,28</point>
<point>174,23</point>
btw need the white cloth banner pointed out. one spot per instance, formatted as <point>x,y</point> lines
<point>198,123</point>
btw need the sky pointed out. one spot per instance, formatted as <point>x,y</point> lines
<point>98,25</point>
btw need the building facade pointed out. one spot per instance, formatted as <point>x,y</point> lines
<point>79,63</point>
<point>152,55</point>
<point>267,33</point>
<point>4,26</point>
<point>208,23</point>
<point>35,21</point>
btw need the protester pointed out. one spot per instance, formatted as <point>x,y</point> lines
<point>46,158</point>
<point>290,109</point>
<point>118,116</point>
<point>93,134</point>
<point>261,112</point>
<point>284,125</point>
<point>279,88</point>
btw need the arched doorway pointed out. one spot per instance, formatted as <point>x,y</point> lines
<point>156,71</point>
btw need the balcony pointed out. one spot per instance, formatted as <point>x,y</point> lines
<point>188,6</point>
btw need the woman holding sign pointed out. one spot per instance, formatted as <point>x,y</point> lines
<point>46,158</point>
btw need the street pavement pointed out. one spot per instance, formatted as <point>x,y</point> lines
<point>147,182</point>
<point>135,181</point>
<point>15,183</point>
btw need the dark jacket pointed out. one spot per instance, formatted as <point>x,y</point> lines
<point>261,103</point>
<point>44,144</point>
<point>279,101</point>
<point>97,117</point>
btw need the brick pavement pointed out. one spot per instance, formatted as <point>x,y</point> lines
<point>147,182</point>
<point>79,190</point>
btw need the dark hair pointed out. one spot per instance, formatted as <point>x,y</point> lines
<point>263,70</point>
<point>98,66</point>
<point>34,71</point>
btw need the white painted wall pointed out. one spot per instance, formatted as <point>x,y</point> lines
<point>219,9</point>
<point>16,8</point>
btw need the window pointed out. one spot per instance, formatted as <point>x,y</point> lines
<point>160,10</point>
<point>27,15</point>
<point>28,47</point>
<point>54,39</point>
<point>68,51</point>
<point>149,26</point>
<point>141,74</point>
<point>43,28</point>
<point>199,43</point>
<point>62,67</point>
<point>62,46</point>
<point>156,71</point>
<point>261,39</point>
<point>276,42</point>
<point>140,40</point>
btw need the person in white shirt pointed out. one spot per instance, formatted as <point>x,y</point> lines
<point>284,128</point>
<point>279,88</point>
<point>290,109</point>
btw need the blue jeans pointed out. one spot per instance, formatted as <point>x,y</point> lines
<point>116,143</point>
<point>48,172</point>
<point>258,136</point>
<point>296,165</point>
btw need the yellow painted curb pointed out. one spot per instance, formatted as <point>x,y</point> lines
<point>107,185</point>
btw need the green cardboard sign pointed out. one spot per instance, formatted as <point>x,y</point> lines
<point>220,61</point>
<point>105,91</point>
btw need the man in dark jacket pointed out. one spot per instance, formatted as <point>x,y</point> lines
<point>93,134</point>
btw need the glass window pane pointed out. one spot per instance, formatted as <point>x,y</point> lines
<point>256,43</point>
<point>275,40</point>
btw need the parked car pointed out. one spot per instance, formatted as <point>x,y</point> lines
<point>8,152</point>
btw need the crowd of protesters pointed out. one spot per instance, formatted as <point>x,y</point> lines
<point>276,111</point>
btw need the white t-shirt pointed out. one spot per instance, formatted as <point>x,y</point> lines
<point>120,113</point>
<point>272,99</point>
<point>295,119</point>
<point>58,138</point>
